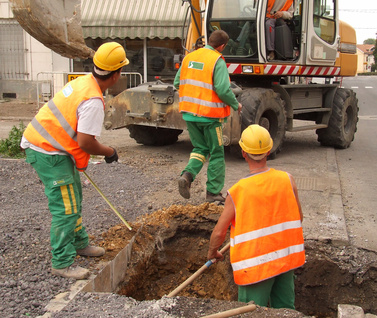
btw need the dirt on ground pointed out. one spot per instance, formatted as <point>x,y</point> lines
<point>178,238</point>
<point>17,109</point>
<point>171,241</point>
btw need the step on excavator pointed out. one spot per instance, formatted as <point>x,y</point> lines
<point>296,88</point>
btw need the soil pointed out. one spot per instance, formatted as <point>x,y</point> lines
<point>142,186</point>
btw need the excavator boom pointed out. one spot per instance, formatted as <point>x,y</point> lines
<point>56,24</point>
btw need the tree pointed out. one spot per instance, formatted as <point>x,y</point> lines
<point>373,42</point>
<point>370,41</point>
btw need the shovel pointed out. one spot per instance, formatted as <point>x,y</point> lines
<point>197,273</point>
<point>107,201</point>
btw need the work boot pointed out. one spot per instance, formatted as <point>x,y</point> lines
<point>91,251</point>
<point>210,197</point>
<point>71,272</point>
<point>184,184</point>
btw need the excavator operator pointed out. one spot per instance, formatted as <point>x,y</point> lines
<point>276,9</point>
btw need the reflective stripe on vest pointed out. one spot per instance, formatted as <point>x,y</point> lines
<point>271,3</point>
<point>54,127</point>
<point>266,236</point>
<point>196,90</point>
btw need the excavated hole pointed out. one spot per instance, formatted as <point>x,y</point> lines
<point>171,245</point>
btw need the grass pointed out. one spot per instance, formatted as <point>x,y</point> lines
<point>11,147</point>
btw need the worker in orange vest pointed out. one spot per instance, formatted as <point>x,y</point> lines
<point>205,99</point>
<point>58,143</point>
<point>276,9</point>
<point>266,237</point>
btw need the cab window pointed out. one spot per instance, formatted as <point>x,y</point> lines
<point>324,20</point>
<point>238,19</point>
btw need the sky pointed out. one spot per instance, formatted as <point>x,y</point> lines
<point>361,15</point>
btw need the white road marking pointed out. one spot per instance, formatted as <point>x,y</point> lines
<point>370,117</point>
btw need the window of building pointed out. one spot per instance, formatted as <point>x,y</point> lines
<point>160,57</point>
<point>12,50</point>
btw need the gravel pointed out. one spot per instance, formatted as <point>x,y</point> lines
<point>26,283</point>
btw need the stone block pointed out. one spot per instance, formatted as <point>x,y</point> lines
<point>350,311</point>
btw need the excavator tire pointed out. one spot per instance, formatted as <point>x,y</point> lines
<point>264,107</point>
<point>153,136</point>
<point>343,121</point>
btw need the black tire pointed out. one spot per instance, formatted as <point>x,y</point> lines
<point>153,136</point>
<point>264,107</point>
<point>343,121</point>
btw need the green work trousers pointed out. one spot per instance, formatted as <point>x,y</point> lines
<point>207,140</point>
<point>278,292</point>
<point>63,190</point>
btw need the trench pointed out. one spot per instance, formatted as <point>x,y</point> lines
<point>170,247</point>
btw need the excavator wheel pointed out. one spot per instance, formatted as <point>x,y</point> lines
<point>343,121</point>
<point>153,136</point>
<point>264,107</point>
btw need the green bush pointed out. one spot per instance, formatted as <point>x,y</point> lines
<point>11,147</point>
<point>367,74</point>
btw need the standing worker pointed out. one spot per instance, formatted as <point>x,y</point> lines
<point>58,143</point>
<point>276,9</point>
<point>266,237</point>
<point>204,95</point>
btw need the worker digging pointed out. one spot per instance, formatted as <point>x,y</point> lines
<point>57,152</point>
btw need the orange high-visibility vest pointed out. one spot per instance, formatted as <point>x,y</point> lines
<point>266,237</point>
<point>270,4</point>
<point>196,89</point>
<point>54,128</point>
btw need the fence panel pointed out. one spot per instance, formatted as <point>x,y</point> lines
<point>49,83</point>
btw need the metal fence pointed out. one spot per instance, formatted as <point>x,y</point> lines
<point>49,83</point>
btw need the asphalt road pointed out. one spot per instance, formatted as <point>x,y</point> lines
<point>357,167</point>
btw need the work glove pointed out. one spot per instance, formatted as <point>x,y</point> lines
<point>112,158</point>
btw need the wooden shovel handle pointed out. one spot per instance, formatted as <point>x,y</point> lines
<point>197,273</point>
<point>232,312</point>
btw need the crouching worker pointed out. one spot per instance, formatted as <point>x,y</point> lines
<point>58,143</point>
<point>266,237</point>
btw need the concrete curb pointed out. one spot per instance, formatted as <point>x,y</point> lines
<point>337,221</point>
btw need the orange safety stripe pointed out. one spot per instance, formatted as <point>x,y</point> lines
<point>54,127</point>
<point>196,90</point>
<point>266,236</point>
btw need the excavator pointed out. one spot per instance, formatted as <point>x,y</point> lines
<point>300,89</point>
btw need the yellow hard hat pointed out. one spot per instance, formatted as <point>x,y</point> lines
<point>110,56</point>
<point>256,140</point>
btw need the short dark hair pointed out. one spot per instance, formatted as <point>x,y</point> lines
<point>104,77</point>
<point>218,38</point>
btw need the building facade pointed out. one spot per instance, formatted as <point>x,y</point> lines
<point>365,57</point>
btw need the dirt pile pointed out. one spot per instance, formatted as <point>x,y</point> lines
<point>177,239</point>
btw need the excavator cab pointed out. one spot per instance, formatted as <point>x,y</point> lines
<point>311,37</point>
<point>243,20</point>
